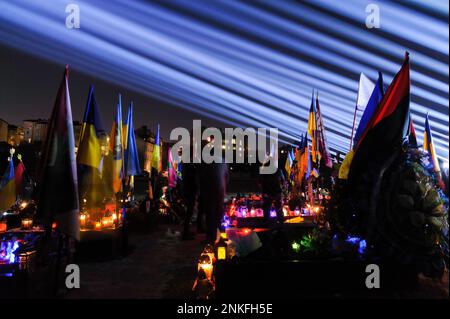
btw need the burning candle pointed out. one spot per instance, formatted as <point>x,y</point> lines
<point>273,213</point>
<point>3,226</point>
<point>98,225</point>
<point>27,223</point>
<point>107,221</point>
<point>83,220</point>
<point>205,263</point>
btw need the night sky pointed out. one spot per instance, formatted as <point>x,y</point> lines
<point>28,88</point>
<point>328,58</point>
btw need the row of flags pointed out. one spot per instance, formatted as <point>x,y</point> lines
<point>309,158</point>
<point>58,187</point>
<point>385,124</point>
<point>11,183</point>
<point>8,187</point>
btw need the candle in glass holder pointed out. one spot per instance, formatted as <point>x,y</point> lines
<point>3,226</point>
<point>98,225</point>
<point>205,263</point>
<point>107,221</point>
<point>27,223</point>
<point>83,220</point>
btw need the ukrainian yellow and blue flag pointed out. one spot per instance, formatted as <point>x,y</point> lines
<point>428,145</point>
<point>89,150</point>
<point>312,129</point>
<point>131,159</point>
<point>116,147</point>
<point>289,162</point>
<point>8,188</point>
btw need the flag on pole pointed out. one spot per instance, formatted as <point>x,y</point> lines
<point>115,145</point>
<point>308,164</point>
<point>131,159</point>
<point>172,170</point>
<point>388,126</point>
<point>89,151</point>
<point>321,139</point>
<point>312,130</point>
<point>58,189</point>
<point>369,108</point>
<point>365,87</point>
<point>365,90</point>
<point>8,187</point>
<point>305,160</point>
<point>288,164</point>
<point>18,173</point>
<point>428,145</point>
<point>156,156</point>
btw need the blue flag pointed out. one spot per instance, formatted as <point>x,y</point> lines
<point>131,159</point>
<point>372,104</point>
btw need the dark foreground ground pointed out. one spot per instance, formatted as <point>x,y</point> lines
<point>160,265</point>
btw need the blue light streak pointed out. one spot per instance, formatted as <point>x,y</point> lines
<point>168,52</point>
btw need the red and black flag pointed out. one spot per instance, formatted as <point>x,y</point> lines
<point>412,138</point>
<point>388,126</point>
<point>58,188</point>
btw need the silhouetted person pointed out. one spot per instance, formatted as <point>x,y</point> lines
<point>213,181</point>
<point>190,190</point>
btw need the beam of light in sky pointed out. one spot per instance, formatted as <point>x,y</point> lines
<point>352,33</point>
<point>220,73</point>
<point>393,22</point>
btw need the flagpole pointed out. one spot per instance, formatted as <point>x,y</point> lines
<point>354,116</point>
<point>353,127</point>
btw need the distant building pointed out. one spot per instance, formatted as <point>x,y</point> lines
<point>35,130</point>
<point>3,131</point>
<point>15,135</point>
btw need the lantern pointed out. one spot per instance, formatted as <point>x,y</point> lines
<point>205,263</point>
<point>209,250</point>
<point>244,212</point>
<point>27,223</point>
<point>3,226</point>
<point>107,221</point>
<point>285,210</point>
<point>26,260</point>
<point>273,212</point>
<point>295,246</point>
<point>221,249</point>
<point>222,252</point>
<point>83,218</point>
